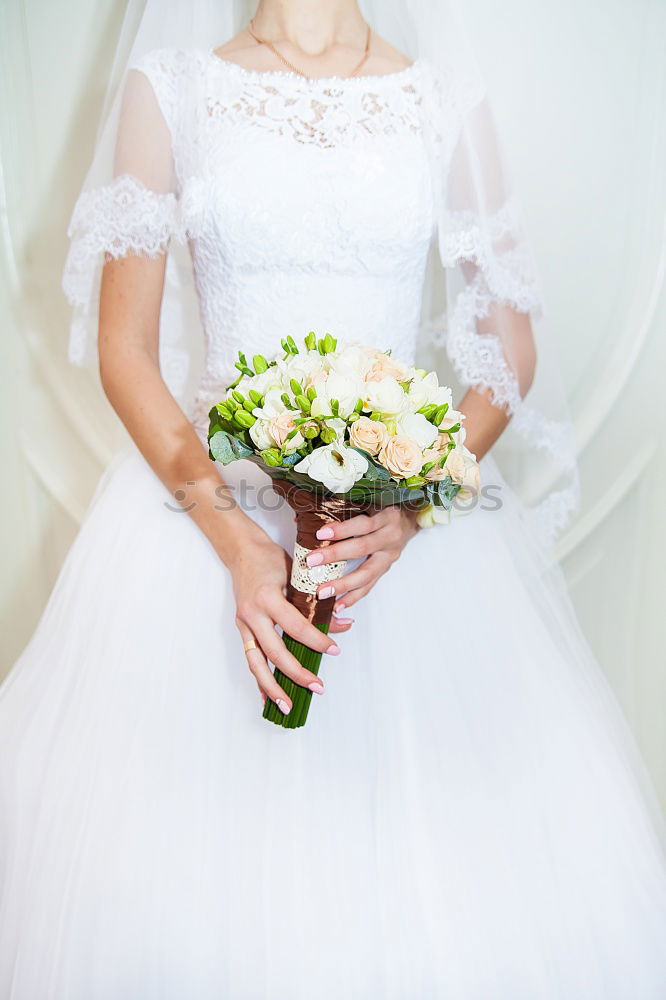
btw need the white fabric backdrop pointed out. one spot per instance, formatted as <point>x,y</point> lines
<point>589,78</point>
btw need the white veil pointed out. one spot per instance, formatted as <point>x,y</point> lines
<point>476,305</point>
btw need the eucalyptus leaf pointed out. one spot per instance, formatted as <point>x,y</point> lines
<point>226,448</point>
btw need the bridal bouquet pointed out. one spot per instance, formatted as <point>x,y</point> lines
<point>342,431</point>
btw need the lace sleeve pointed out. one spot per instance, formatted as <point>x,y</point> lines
<point>493,326</point>
<point>137,210</point>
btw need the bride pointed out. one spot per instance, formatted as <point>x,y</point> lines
<point>465,815</point>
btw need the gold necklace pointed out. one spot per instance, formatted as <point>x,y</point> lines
<point>295,69</point>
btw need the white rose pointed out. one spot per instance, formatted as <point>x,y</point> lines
<point>416,427</point>
<point>386,396</point>
<point>347,389</point>
<point>261,383</point>
<point>350,360</point>
<point>260,436</point>
<point>303,367</point>
<point>426,390</point>
<point>335,466</point>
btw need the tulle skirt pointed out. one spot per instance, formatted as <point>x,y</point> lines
<point>464,816</point>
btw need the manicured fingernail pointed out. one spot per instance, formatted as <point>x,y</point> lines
<point>315,559</point>
<point>325,533</point>
<point>316,687</point>
<point>333,650</point>
<point>344,621</point>
<point>338,607</point>
<point>325,592</point>
<point>283,706</point>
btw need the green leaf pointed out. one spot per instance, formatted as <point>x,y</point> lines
<point>225,448</point>
<point>375,470</point>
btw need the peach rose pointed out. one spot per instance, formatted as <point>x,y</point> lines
<point>384,365</point>
<point>401,456</point>
<point>279,429</point>
<point>369,435</point>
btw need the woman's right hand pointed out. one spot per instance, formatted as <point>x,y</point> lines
<point>260,571</point>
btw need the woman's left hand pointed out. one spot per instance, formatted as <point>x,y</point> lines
<point>380,537</point>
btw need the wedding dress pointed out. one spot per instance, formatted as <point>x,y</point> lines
<point>464,816</point>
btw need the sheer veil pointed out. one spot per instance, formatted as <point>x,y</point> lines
<point>482,289</point>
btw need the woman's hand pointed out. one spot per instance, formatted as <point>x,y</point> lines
<point>260,570</point>
<point>381,537</point>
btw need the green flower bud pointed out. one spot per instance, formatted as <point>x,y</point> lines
<point>328,435</point>
<point>439,414</point>
<point>329,343</point>
<point>311,341</point>
<point>285,399</point>
<point>295,387</point>
<point>260,364</point>
<point>359,405</point>
<point>238,396</point>
<point>415,481</point>
<point>292,345</point>
<point>224,411</point>
<point>231,405</point>
<point>303,402</point>
<point>311,393</point>
<point>248,405</point>
<point>256,397</point>
<point>271,458</point>
<point>310,431</point>
<point>353,417</point>
<point>244,419</point>
<point>335,407</point>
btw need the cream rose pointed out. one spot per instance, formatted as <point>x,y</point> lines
<point>384,366</point>
<point>281,427</point>
<point>401,456</point>
<point>368,435</point>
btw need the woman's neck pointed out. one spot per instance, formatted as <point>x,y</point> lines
<point>312,26</point>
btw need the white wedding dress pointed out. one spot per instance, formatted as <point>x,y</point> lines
<point>464,816</point>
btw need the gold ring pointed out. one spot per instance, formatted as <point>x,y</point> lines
<point>250,644</point>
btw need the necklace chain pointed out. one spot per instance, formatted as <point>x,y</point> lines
<point>295,69</point>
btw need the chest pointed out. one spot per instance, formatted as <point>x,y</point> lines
<point>326,178</point>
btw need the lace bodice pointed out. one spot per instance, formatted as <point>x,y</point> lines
<point>308,203</point>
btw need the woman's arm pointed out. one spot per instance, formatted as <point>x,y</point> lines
<point>130,302</point>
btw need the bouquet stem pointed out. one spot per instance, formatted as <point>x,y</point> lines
<point>312,512</point>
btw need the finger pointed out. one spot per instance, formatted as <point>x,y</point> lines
<point>276,651</point>
<point>262,673</point>
<point>340,624</point>
<point>352,597</point>
<point>362,524</point>
<point>359,577</point>
<point>352,548</point>
<point>298,627</point>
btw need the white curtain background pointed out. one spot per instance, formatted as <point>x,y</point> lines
<point>580,94</point>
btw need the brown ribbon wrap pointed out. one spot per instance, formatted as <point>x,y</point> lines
<point>313,511</point>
